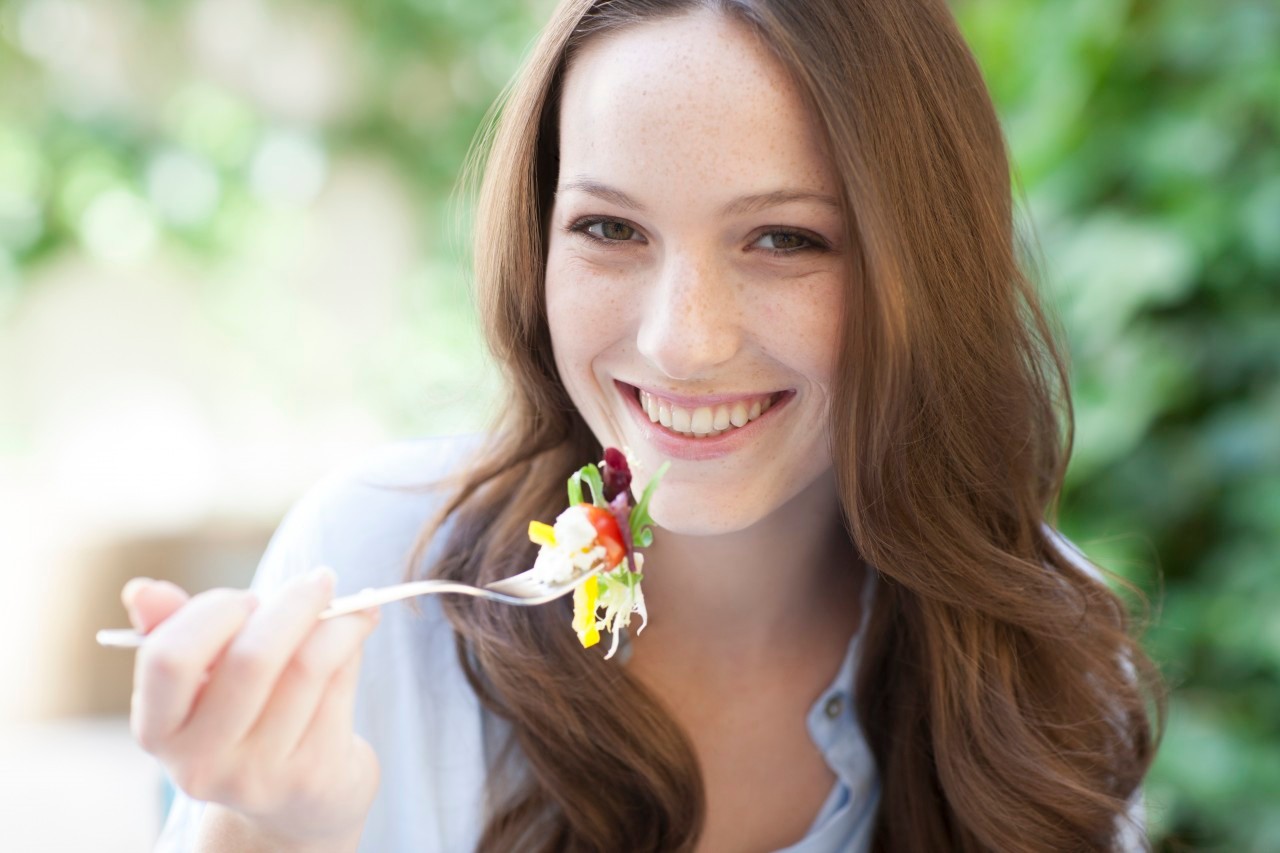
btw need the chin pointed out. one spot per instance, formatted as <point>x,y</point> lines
<point>695,515</point>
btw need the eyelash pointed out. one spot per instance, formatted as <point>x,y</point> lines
<point>580,227</point>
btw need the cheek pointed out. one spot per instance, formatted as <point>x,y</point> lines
<point>828,328</point>
<point>802,326</point>
<point>585,314</point>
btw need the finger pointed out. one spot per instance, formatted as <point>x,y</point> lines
<point>305,679</point>
<point>332,726</point>
<point>172,662</point>
<point>149,602</point>
<point>245,678</point>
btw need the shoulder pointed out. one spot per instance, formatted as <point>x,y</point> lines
<point>363,517</point>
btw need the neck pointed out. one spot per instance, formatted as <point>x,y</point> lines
<point>756,593</point>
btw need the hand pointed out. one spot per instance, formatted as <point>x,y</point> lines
<point>251,707</point>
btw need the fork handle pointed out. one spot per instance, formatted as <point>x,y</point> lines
<point>127,638</point>
<point>120,638</point>
<point>375,597</point>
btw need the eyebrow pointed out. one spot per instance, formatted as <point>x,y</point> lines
<point>737,207</point>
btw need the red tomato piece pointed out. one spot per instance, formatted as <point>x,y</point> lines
<point>608,534</point>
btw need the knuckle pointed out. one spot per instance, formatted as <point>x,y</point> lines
<point>198,779</point>
<point>312,785</point>
<point>244,663</point>
<point>252,788</point>
<point>238,790</point>
<point>162,662</point>
<point>309,664</point>
<point>146,736</point>
<point>300,672</point>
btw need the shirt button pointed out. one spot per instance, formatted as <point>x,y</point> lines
<point>833,707</point>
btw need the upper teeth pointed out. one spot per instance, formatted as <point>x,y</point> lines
<point>704,420</point>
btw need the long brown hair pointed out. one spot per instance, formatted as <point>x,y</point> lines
<point>1000,690</point>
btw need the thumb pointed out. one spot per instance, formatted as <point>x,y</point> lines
<point>150,602</point>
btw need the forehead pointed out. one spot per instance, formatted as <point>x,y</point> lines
<point>694,102</point>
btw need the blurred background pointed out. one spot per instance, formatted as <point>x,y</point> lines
<point>229,260</point>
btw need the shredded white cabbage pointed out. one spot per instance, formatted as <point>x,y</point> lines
<point>620,596</point>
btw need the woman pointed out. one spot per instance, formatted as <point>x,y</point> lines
<point>863,633</point>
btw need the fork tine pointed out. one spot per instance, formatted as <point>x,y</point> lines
<point>521,584</point>
<point>525,584</point>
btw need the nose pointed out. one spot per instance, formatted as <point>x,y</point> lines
<point>691,322</point>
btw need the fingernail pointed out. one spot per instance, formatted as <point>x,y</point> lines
<point>322,579</point>
<point>132,588</point>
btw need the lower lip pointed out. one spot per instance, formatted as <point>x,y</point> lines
<point>675,445</point>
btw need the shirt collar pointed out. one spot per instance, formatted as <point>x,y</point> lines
<point>832,722</point>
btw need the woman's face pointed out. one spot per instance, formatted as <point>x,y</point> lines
<point>696,268</point>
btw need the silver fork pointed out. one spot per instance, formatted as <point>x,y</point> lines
<point>523,590</point>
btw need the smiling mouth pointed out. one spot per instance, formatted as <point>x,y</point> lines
<point>725,415</point>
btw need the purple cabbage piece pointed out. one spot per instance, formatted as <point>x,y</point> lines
<point>616,474</point>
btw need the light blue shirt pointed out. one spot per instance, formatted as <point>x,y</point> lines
<point>414,704</point>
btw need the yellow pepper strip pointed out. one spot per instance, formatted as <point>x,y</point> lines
<point>542,534</point>
<point>584,612</point>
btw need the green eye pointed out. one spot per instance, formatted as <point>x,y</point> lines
<point>613,230</point>
<point>608,232</point>
<point>786,241</point>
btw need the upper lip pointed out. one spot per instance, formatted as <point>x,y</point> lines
<point>691,402</point>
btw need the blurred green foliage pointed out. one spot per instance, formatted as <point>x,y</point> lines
<point>1145,134</point>
<point>1147,137</point>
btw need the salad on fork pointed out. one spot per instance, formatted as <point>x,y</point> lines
<point>603,532</point>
